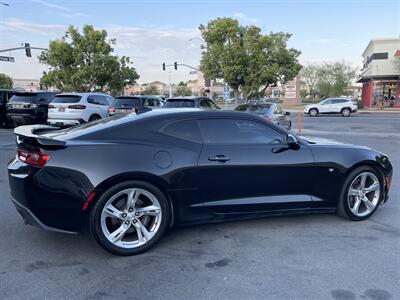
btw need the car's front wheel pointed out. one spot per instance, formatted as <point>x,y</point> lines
<point>313,112</point>
<point>346,112</point>
<point>361,194</point>
<point>130,218</point>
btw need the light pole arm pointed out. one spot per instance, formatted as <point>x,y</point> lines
<point>20,48</point>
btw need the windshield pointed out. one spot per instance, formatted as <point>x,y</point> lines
<point>127,102</point>
<point>66,99</point>
<point>24,97</point>
<point>179,103</point>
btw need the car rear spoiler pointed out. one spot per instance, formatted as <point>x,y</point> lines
<point>31,132</point>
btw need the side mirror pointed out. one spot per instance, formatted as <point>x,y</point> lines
<point>292,141</point>
<point>287,113</point>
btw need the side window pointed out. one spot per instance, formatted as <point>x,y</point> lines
<point>152,102</point>
<point>237,131</point>
<point>109,100</point>
<point>103,100</point>
<point>205,104</point>
<point>91,99</point>
<point>185,130</point>
<point>327,102</point>
<point>278,110</point>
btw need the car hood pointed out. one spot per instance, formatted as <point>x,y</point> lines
<point>322,141</point>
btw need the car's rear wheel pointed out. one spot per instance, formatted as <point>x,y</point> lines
<point>346,112</point>
<point>361,194</point>
<point>94,118</point>
<point>313,112</point>
<point>130,218</point>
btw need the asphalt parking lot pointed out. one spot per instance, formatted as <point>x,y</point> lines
<point>302,257</point>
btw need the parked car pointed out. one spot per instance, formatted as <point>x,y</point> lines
<point>138,104</point>
<point>5,95</point>
<point>268,111</point>
<point>29,107</point>
<point>196,102</point>
<point>342,106</point>
<point>68,109</point>
<point>131,176</point>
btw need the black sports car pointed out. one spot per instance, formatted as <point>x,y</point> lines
<point>130,177</point>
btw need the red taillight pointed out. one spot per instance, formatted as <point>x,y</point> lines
<point>77,106</point>
<point>35,159</point>
<point>269,118</point>
<point>111,109</point>
<point>51,106</point>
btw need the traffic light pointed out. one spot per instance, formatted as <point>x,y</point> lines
<point>28,50</point>
<point>207,82</point>
<point>176,65</point>
<point>163,66</point>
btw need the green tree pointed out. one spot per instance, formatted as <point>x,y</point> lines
<point>334,79</point>
<point>303,93</point>
<point>246,59</point>
<point>84,62</point>
<point>182,90</point>
<point>182,83</point>
<point>6,82</point>
<point>310,74</point>
<point>151,90</point>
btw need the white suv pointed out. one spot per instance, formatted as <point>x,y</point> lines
<point>68,109</point>
<point>342,106</point>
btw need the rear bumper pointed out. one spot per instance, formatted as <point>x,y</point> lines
<point>32,220</point>
<point>25,118</point>
<point>65,122</point>
<point>50,198</point>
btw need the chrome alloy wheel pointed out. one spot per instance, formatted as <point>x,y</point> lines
<point>131,218</point>
<point>363,194</point>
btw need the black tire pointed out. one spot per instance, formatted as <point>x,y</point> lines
<point>313,112</point>
<point>96,211</point>
<point>343,208</point>
<point>94,118</point>
<point>346,112</point>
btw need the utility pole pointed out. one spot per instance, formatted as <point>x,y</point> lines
<point>169,84</point>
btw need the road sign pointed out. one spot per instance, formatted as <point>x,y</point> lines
<point>193,72</point>
<point>226,88</point>
<point>7,58</point>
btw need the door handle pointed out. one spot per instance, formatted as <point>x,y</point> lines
<point>221,158</point>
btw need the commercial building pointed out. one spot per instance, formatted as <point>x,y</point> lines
<point>380,73</point>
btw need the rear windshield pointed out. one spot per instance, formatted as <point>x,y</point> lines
<point>24,97</point>
<point>179,103</point>
<point>127,102</point>
<point>66,99</point>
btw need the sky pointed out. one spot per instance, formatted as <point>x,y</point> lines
<point>154,31</point>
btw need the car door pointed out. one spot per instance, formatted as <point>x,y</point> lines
<point>103,107</point>
<point>245,166</point>
<point>336,105</point>
<point>325,106</point>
